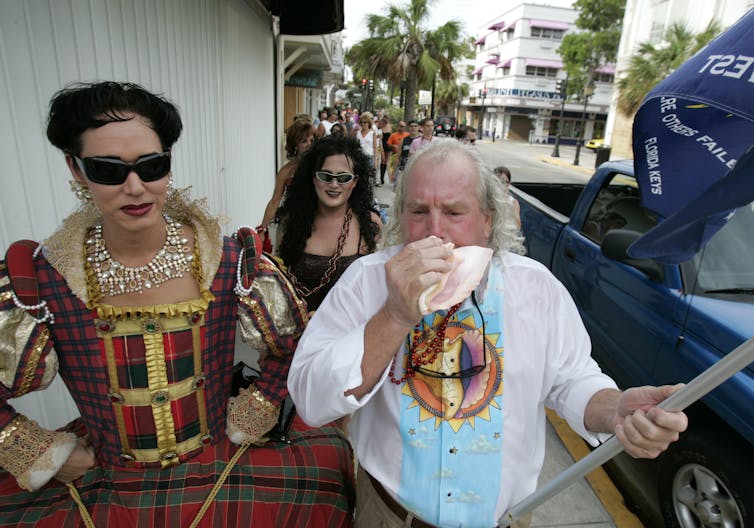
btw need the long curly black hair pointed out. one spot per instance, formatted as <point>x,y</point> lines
<point>299,208</point>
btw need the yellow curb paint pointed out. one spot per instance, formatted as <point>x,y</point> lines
<point>603,487</point>
<point>565,163</point>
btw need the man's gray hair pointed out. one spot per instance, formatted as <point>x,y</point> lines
<point>493,197</point>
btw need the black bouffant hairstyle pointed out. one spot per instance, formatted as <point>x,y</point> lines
<point>296,214</point>
<point>82,106</point>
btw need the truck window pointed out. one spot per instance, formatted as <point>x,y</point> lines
<point>617,206</point>
<point>725,263</point>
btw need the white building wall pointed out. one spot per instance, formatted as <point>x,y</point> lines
<point>213,58</point>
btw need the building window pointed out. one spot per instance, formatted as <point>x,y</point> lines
<point>659,22</point>
<point>540,71</point>
<point>555,34</point>
<point>570,128</point>
<point>506,70</point>
<point>604,77</point>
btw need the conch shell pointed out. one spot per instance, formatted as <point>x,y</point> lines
<point>469,264</point>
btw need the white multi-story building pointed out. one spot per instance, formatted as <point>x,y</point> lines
<point>513,86</point>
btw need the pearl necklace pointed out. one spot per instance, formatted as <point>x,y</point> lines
<point>170,262</point>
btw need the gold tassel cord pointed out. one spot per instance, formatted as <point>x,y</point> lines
<point>89,523</point>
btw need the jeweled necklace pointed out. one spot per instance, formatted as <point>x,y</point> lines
<point>426,354</point>
<point>170,262</point>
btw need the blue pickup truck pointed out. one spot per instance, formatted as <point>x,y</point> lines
<point>658,324</point>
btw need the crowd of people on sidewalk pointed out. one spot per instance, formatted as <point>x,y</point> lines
<point>384,142</point>
<point>422,351</point>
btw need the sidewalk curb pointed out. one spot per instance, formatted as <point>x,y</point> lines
<point>603,487</point>
<point>563,163</point>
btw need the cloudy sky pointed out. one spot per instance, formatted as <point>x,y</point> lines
<point>472,13</point>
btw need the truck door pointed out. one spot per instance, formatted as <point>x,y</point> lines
<point>629,317</point>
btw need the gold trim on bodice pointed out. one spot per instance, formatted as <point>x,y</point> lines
<point>152,323</point>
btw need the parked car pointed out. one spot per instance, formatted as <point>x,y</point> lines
<point>658,324</point>
<point>595,143</point>
<point>445,125</point>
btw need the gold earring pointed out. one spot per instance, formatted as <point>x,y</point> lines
<point>81,191</point>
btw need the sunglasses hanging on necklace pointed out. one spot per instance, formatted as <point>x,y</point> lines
<point>423,352</point>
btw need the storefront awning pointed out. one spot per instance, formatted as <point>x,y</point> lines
<point>548,24</point>
<point>606,69</point>
<point>497,25</point>
<point>480,41</point>
<point>493,60</point>
<point>544,63</point>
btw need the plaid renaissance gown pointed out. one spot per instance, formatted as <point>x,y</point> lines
<point>152,384</point>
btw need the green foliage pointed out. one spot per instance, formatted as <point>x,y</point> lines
<point>395,113</point>
<point>595,45</point>
<point>399,48</point>
<point>600,15</point>
<point>448,95</point>
<point>652,63</point>
<point>381,101</point>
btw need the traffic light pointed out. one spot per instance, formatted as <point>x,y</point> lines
<point>484,91</point>
<point>371,84</point>
<point>561,85</point>
<point>479,93</point>
<point>363,82</point>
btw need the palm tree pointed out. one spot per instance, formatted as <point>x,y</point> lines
<point>448,95</point>
<point>651,64</point>
<point>399,48</point>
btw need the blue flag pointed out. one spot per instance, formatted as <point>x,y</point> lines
<point>692,140</point>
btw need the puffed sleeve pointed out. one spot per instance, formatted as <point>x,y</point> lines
<point>28,362</point>
<point>271,318</point>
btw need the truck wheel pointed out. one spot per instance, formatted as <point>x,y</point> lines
<point>705,480</point>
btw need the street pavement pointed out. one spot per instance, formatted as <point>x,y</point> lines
<point>593,501</point>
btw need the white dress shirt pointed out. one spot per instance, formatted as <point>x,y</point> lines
<point>547,363</point>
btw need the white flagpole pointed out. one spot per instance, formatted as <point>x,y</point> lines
<point>697,388</point>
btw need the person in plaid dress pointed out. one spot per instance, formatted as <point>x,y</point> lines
<point>134,301</point>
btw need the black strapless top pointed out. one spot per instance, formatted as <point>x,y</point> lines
<point>309,272</point>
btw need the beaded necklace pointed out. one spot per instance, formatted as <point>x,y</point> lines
<point>426,354</point>
<point>332,264</point>
<point>170,262</point>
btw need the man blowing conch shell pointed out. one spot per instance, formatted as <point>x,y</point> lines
<point>447,381</point>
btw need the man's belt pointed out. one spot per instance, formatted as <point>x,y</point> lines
<point>394,506</point>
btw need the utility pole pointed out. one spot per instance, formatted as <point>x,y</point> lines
<point>587,93</point>
<point>482,94</point>
<point>561,86</point>
<point>432,104</point>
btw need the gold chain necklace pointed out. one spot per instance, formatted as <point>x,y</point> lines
<point>332,263</point>
<point>170,262</point>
